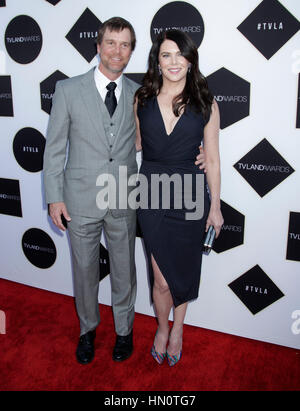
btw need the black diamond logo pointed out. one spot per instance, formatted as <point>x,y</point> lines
<point>232,94</point>
<point>232,232</point>
<point>104,262</point>
<point>293,243</point>
<point>263,168</point>
<point>47,88</point>
<point>269,27</point>
<point>53,2</point>
<point>255,289</point>
<point>83,35</point>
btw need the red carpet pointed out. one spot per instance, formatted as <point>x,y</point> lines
<point>38,353</point>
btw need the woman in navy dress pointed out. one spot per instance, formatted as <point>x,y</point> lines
<point>174,112</point>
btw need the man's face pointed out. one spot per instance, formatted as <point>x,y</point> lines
<point>115,51</point>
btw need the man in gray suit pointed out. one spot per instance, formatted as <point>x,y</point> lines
<point>92,126</point>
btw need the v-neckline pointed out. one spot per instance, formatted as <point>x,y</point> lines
<point>163,122</point>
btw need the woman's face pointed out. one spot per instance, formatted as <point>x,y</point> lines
<point>173,65</point>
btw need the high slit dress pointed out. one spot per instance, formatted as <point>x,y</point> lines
<point>174,241</point>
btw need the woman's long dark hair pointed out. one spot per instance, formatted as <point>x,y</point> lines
<point>195,93</point>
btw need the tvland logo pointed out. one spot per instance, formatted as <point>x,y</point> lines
<point>28,147</point>
<point>232,231</point>
<point>263,168</point>
<point>269,27</point>
<point>181,16</point>
<point>83,34</point>
<point>47,88</point>
<point>232,94</point>
<point>256,290</point>
<point>232,99</point>
<point>6,104</point>
<point>23,39</point>
<point>293,241</point>
<point>10,197</point>
<point>39,248</point>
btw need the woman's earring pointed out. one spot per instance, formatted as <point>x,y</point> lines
<point>189,68</point>
<point>159,70</point>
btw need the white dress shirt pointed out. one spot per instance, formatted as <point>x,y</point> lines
<point>102,81</point>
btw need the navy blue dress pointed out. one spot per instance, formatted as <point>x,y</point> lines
<point>175,242</point>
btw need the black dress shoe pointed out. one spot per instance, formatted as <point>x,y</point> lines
<point>85,349</point>
<point>123,347</point>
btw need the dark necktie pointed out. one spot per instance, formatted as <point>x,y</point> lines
<point>110,99</point>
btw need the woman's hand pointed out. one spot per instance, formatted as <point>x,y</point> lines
<point>200,159</point>
<point>215,219</point>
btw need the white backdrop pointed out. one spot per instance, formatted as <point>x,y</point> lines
<point>274,85</point>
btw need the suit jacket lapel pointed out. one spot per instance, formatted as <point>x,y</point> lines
<point>127,96</point>
<point>90,98</point>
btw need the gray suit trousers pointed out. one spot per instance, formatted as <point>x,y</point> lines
<point>85,234</point>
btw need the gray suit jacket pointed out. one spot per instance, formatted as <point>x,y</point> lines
<point>77,149</point>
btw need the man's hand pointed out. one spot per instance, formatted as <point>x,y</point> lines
<point>201,159</point>
<point>56,211</point>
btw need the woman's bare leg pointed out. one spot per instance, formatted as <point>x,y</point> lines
<point>175,340</point>
<point>163,303</point>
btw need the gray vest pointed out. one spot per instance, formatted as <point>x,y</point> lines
<point>111,124</point>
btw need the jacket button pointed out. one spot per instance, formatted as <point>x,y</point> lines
<point>110,159</point>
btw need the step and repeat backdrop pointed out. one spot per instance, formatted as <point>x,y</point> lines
<point>250,53</point>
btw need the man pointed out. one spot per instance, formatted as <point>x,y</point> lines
<point>92,119</point>
<point>99,142</point>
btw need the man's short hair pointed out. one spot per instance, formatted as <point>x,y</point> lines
<point>116,24</point>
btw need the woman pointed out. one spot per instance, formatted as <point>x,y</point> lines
<point>174,112</point>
